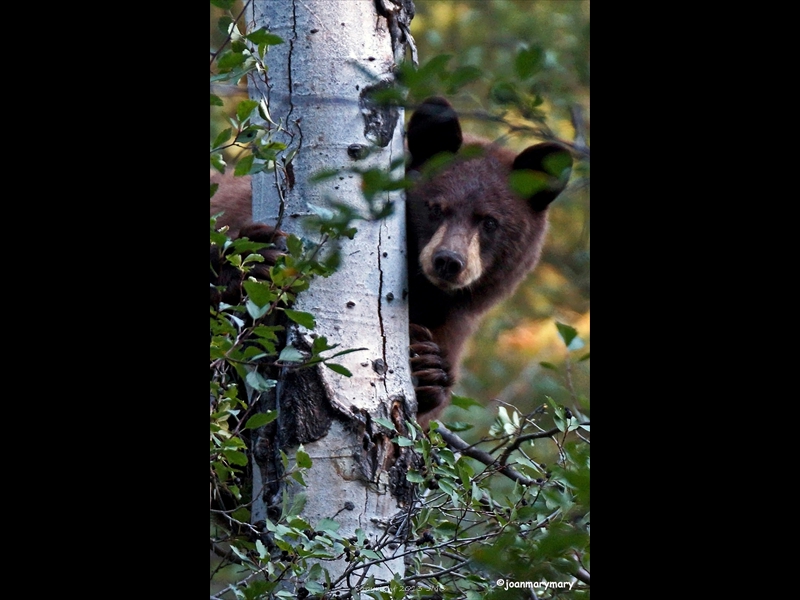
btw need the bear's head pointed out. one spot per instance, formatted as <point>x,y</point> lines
<point>477,213</point>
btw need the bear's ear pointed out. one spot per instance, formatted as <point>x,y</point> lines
<point>433,128</point>
<point>541,173</point>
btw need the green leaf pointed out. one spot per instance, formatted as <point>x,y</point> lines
<point>448,488</point>
<point>566,332</point>
<point>298,477</point>
<point>260,419</point>
<point>458,426</point>
<point>256,311</point>
<point>558,410</point>
<point>465,471</point>
<point>584,357</point>
<point>228,60</point>
<point>234,74</point>
<point>324,175</point>
<point>548,365</point>
<point>259,292</point>
<point>235,457</point>
<point>216,100</point>
<point>302,458</point>
<point>241,514</point>
<point>298,504</point>
<point>462,76</point>
<point>527,61</point>
<point>261,549</point>
<point>301,318</point>
<point>336,368</point>
<point>477,494</point>
<point>464,402</point>
<point>242,556</point>
<point>291,354</point>
<point>218,162</point>
<point>263,111</point>
<point>414,477</point>
<point>245,108</point>
<point>328,525</point>
<point>222,137</point>
<point>385,423</point>
<point>258,382</point>
<point>267,332</point>
<point>243,166</point>
<point>262,36</point>
<point>557,163</point>
<point>527,183</point>
<point>504,93</point>
<point>361,536</point>
<point>323,213</point>
<point>320,344</point>
<point>224,24</point>
<point>311,583</point>
<point>348,351</point>
<point>224,4</point>
<point>570,336</point>
<point>214,187</point>
<point>294,245</point>
<point>248,135</point>
<point>436,65</point>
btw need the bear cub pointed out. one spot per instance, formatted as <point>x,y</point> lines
<point>471,238</point>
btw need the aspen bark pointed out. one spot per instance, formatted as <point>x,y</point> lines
<point>317,87</point>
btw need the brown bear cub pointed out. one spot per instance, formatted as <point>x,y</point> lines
<point>471,238</point>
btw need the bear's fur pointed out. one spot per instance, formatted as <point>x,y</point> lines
<point>233,204</point>
<point>471,239</point>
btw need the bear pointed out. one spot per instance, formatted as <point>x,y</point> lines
<point>232,204</point>
<point>471,238</point>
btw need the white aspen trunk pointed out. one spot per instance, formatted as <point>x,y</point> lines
<point>334,50</point>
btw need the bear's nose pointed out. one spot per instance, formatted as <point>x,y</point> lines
<point>448,264</point>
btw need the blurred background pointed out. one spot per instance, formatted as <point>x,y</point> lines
<point>504,359</point>
<point>517,356</point>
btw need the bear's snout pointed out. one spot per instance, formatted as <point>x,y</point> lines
<point>451,260</point>
<point>448,264</point>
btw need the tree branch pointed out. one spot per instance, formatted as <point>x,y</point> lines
<point>457,443</point>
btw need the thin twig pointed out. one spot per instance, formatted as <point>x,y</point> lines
<point>457,443</point>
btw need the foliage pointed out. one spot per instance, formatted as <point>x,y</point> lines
<point>514,504</point>
<point>483,523</point>
<point>505,514</point>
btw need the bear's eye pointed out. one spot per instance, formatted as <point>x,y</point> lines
<point>489,224</point>
<point>436,211</point>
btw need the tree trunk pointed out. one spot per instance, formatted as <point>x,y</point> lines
<point>317,86</point>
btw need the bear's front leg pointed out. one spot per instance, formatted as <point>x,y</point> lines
<point>431,372</point>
